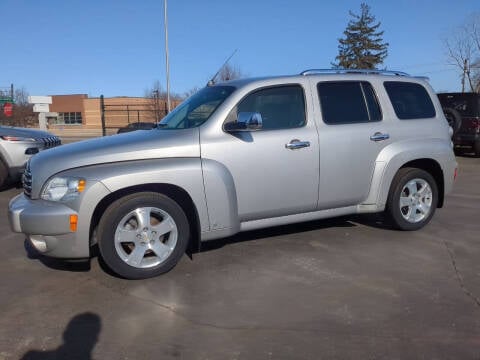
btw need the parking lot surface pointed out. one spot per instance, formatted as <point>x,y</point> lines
<point>348,288</point>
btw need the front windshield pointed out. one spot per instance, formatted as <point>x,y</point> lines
<point>196,109</point>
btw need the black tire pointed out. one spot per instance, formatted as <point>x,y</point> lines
<point>399,188</point>
<point>454,119</point>
<point>115,221</point>
<point>3,174</point>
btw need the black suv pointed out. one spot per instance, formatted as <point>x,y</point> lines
<point>462,111</point>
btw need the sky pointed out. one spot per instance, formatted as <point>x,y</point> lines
<point>117,47</point>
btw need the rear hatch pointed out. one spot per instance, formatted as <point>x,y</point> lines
<point>468,106</point>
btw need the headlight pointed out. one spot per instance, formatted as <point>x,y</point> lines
<point>17,138</point>
<point>63,188</point>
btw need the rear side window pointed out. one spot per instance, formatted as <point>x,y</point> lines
<point>348,102</point>
<point>409,100</point>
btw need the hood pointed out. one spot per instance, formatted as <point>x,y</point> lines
<point>24,132</point>
<point>136,145</point>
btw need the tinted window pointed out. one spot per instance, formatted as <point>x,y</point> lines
<point>409,100</point>
<point>281,107</point>
<point>348,102</point>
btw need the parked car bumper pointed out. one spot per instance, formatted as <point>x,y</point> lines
<point>466,139</point>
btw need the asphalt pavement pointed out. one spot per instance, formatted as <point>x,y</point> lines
<point>345,288</point>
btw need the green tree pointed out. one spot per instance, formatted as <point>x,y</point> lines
<point>362,46</point>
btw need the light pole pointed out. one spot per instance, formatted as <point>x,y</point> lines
<point>166,54</point>
<point>156,96</point>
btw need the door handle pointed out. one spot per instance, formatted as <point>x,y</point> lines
<point>378,136</point>
<point>297,144</point>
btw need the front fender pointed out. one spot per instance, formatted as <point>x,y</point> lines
<point>185,173</point>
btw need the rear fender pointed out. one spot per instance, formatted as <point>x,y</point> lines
<point>395,156</point>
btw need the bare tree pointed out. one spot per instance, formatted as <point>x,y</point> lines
<point>230,72</point>
<point>22,114</point>
<point>190,92</point>
<point>463,51</point>
<point>156,101</point>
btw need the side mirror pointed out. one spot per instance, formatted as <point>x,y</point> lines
<point>246,121</point>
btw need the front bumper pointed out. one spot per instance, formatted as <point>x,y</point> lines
<point>47,226</point>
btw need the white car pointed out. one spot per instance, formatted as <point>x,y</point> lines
<point>17,145</point>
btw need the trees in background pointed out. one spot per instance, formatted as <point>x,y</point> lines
<point>229,72</point>
<point>22,114</point>
<point>157,99</point>
<point>463,52</point>
<point>362,46</point>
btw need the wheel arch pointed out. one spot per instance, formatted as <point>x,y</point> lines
<point>176,193</point>
<point>429,165</point>
<point>432,155</point>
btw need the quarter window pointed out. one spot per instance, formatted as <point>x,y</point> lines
<point>348,102</point>
<point>409,100</point>
<point>281,107</point>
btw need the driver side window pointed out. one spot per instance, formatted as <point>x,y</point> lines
<point>281,107</point>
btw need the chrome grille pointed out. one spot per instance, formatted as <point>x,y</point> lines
<point>27,180</point>
<point>51,141</point>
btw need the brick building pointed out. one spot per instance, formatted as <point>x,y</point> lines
<point>77,114</point>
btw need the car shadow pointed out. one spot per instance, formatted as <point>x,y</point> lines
<point>371,220</point>
<point>465,152</point>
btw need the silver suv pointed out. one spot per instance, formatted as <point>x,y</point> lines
<point>243,155</point>
<point>17,145</point>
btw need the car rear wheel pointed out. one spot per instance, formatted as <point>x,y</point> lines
<point>413,199</point>
<point>143,235</point>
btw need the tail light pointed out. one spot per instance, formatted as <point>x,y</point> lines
<point>471,125</point>
<point>476,125</point>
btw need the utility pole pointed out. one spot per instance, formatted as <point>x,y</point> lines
<point>464,74</point>
<point>166,54</point>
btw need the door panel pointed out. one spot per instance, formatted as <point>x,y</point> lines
<point>352,133</point>
<point>275,170</point>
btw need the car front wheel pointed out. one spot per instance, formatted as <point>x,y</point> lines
<point>413,199</point>
<point>143,235</point>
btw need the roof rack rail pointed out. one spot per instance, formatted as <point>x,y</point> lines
<point>353,71</point>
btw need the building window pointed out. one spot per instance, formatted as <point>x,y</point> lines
<point>69,118</point>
